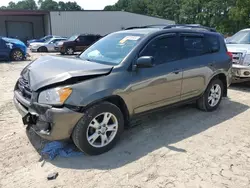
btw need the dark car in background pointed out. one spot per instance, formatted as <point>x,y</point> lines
<point>76,43</point>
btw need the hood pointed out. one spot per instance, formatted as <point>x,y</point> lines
<point>244,48</point>
<point>14,41</point>
<point>49,70</point>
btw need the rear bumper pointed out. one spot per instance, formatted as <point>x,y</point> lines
<point>48,122</point>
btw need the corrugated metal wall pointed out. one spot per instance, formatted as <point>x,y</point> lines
<point>67,23</point>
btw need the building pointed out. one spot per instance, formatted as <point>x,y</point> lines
<point>24,24</point>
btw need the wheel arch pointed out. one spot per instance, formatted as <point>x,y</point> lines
<point>119,102</point>
<point>222,77</point>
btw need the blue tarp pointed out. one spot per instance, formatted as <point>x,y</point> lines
<point>53,149</point>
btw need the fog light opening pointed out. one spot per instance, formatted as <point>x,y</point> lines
<point>246,73</point>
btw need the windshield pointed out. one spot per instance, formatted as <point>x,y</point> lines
<point>72,38</point>
<point>242,37</point>
<point>112,49</point>
<point>45,38</point>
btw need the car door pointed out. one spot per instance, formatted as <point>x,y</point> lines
<point>51,45</point>
<point>83,43</point>
<point>196,64</point>
<point>4,50</point>
<point>159,85</point>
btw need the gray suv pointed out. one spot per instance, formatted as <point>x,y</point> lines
<point>91,98</point>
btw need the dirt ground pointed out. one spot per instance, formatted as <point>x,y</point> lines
<point>181,147</point>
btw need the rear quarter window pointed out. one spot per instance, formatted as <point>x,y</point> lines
<point>212,43</point>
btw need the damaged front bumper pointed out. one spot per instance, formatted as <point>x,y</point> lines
<point>240,73</point>
<point>49,122</point>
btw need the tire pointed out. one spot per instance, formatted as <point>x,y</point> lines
<point>84,131</point>
<point>206,104</point>
<point>70,51</point>
<point>17,55</point>
<point>42,49</point>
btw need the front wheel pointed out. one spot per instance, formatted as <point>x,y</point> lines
<point>99,129</point>
<point>17,55</point>
<point>42,49</point>
<point>70,51</point>
<point>211,98</point>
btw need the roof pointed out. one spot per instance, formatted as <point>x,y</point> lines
<point>22,12</point>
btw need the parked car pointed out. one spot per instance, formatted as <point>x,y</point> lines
<point>47,46</point>
<point>239,45</point>
<point>12,49</point>
<point>77,43</point>
<point>127,73</point>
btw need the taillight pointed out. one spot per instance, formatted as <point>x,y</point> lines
<point>230,55</point>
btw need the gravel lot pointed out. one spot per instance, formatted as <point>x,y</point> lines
<point>182,147</point>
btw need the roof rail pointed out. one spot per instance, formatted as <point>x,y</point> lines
<point>161,26</point>
<point>193,26</point>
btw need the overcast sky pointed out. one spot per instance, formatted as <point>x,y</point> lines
<point>86,4</point>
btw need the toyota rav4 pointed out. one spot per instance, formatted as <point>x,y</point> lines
<point>91,99</point>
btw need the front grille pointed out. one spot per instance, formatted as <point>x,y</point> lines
<point>23,88</point>
<point>237,58</point>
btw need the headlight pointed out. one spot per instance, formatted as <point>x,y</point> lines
<point>246,60</point>
<point>54,96</point>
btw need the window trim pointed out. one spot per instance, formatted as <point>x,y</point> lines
<point>167,35</point>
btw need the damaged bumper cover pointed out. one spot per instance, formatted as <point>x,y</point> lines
<point>240,73</point>
<point>49,122</point>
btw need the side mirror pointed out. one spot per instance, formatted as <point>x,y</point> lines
<point>145,62</point>
<point>77,40</point>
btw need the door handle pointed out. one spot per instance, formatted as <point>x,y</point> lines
<point>211,64</point>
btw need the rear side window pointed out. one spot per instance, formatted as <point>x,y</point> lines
<point>212,43</point>
<point>192,46</point>
<point>164,49</point>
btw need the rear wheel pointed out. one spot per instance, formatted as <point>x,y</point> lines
<point>42,49</point>
<point>211,98</point>
<point>99,129</point>
<point>17,55</point>
<point>70,51</point>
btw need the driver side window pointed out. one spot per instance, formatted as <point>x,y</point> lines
<point>163,49</point>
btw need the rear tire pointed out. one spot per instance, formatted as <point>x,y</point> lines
<point>211,98</point>
<point>17,55</point>
<point>94,134</point>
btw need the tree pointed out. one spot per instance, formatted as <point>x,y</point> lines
<point>49,5</point>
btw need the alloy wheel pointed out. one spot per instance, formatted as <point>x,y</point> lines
<point>102,130</point>
<point>214,95</point>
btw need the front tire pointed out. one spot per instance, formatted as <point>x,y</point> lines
<point>70,51</point>
<point>99,129</point>
<point>42,49</point>
<point>211,98</point>
<point>17,55</point>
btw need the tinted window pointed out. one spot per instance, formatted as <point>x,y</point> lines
<point>164,49</point>
<point>87,39</point>
<point>192,46</point>
<point>213,44</point>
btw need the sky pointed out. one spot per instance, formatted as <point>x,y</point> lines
<point>85,4</point>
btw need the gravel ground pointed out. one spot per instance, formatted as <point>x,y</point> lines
<point>182,147</point>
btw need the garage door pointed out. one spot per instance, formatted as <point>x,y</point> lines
<point>20,30</point>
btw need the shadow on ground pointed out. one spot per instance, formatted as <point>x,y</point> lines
<point>241,87</point>
<point>156,131</point>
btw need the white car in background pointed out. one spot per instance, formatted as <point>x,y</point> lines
<point>47,46</point>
